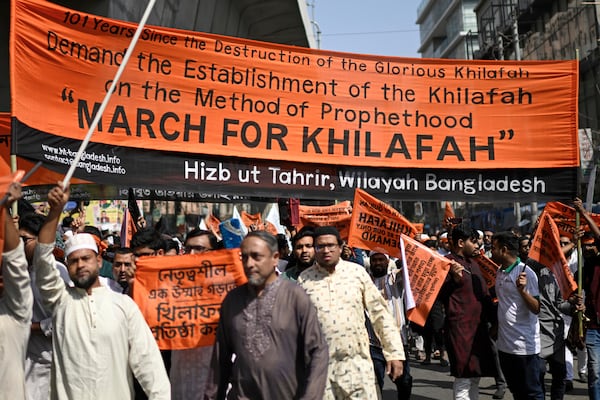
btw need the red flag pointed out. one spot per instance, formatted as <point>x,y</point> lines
<point>132,213</point>
<point>546,250</point>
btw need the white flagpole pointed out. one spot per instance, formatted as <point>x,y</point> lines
<point>113,85</point>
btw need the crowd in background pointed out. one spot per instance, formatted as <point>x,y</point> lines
<point>317,318</point>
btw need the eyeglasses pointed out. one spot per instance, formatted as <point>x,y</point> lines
<point>323,247</point>
<point>197,248</point>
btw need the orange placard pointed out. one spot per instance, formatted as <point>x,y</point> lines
<point>564,218</point>
<point>337,215</point>
<point>199,93</point>
<point>427,272</point>
<point>375,224</point>
<point>255,222</point>
<point>181,296</point>
<point>546,250</point>
<point>488,269</point>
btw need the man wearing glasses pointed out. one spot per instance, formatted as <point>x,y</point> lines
<point>342,291</point>
<point>190,367</point>
<point>199,241</point>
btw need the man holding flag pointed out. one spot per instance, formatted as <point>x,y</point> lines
<point>16,305</point>
<point>102,337</point>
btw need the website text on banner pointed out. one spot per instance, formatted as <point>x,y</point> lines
<point>181,296</point>
<point>207,94</point>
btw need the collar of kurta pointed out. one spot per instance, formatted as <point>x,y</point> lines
<point>512,266</point>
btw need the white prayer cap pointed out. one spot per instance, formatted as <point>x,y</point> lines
<point>379,251</point>
<point>480,233</point>
<point>80,241</point>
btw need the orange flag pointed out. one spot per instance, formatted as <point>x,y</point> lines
<point>212,223</point>
<point>564,218</point>
<point>546,250</point>
<point>427,272</point>
<point>448,214</point>
<point>181,296</point>
<point>375,224</point>
<point>488,269</point>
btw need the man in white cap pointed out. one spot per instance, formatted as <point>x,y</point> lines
<point>391,287</point>
<point>100,336</point>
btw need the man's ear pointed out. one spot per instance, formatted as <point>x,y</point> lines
<point>160,252</point>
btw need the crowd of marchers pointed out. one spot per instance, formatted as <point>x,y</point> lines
<point>315,320</point>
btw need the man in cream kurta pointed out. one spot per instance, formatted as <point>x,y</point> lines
<point>16,305</point>
<point>100,337</point>
<point>342,291</point>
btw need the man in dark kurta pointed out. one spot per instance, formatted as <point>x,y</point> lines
<point>467,304</point>
<point>270,326</point>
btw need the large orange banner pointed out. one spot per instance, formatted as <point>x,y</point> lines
<point>427,272</point>
<point>375,224</point>
<point>42,176</point>
<point>181,296</point>
<point>298,113</point>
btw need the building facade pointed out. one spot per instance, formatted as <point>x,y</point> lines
<point>447,28</point>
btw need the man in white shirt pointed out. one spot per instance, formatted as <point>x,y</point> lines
<point>100,337</point>
<point>16,305</point>
<point>518,328</point>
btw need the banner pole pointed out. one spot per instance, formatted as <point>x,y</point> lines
<point>113,85</point>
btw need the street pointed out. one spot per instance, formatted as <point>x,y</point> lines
<point>433,382</point>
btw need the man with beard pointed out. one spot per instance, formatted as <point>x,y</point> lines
<point>391,287</point>
<point>101,336</point>
<point>342,291</point>
<point>271,328</point>
<point>468,309</point>
<point>303,253</point>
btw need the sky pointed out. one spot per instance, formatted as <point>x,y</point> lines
<point>382,27</point>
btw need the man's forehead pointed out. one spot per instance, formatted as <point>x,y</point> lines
<point>326,239</point>
<point>305,239</point>
<point>81,253</point>
<point>198,239</point>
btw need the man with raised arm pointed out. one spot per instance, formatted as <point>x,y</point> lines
<point>16,306</point>
<point>100,337</point>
